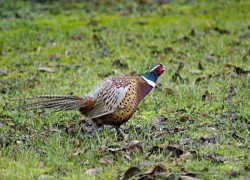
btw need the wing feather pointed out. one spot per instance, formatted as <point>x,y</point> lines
<point>108,99</point>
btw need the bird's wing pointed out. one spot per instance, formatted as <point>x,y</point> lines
<point>109,97</point>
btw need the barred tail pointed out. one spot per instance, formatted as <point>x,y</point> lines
<point>56,102</point>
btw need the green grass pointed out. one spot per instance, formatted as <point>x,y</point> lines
<point>33,35</point>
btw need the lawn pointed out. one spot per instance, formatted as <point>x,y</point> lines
<point>194,124</point>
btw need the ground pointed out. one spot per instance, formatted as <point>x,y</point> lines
<point>195,123</point>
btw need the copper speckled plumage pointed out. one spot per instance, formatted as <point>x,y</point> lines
<point>112,102</point>
<point>134,89</point>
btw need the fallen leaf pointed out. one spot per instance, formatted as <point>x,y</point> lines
<point>159,119</point>
<point>45,176</point>
<point>141,22</point>
<point>188,178</point>
<point>182,38</point>
<point>184,172</point>
<point>232,89</point>
<point>75,141</point>
<point>215,158</point>
<point>190,105</point>
<point>229,65</point>
<point>184,118</point>
<point>42,165</point>
<point>155,150</point>
<point>155,52</point>
<point>153,47</point>
<point>239,70</point>
<point>161,2</point>
<point>200,66</point>
<point>88,127</point>
<point>134,142</point>
<point>92,172</point>
<point>229,98</point>
<point>246,178</point>
<point>97,39</point>
<point>168,50</point>
<point>105,52</point>
<point>157,171</point>
<point>115,149</point>
<point>100,29</point>
<point>126,137</point>
<point>229,113</point>
<point>210,58</point>
<point>107,74</point>
<point>195,71</point>
<point>234,173</point>
<point>93,23</point>
<point>200,79</point>
<point>158,85</point>
<point>244,119</point>
<point>104,160</point>
<point>221,31</point>
<point>4,71</point>
<point>245,34</point>
<point>247,168</point>
<point>17,15</point>
<point>124,12</point>
<point>118,62</point>
<point>53,57</point>
<point>207,96</point>
<point>237,136</point>
<point>246,56</point>
<point>74,154</point>
<point>169,91</point>
<point>61,172</point>
<point>204,114</point>
<point>103,148</point>
<point>192,33</point>
<point>209,138</point>
<point>131,172</point>
<point>56,64</point>
<point>134,149</point>
<point>4,90</point>
<point>79,36</point>
<point>174,150</point>
<point>46,69</point>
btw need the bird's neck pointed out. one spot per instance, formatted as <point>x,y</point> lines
<point>149,80</point>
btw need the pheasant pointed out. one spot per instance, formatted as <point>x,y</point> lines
<point>112,102</point>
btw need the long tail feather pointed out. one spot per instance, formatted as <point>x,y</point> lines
<point>56,102</point>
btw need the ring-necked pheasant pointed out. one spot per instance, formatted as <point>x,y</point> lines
<point>112,102</point>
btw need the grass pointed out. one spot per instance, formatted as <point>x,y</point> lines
<point>52,145</point>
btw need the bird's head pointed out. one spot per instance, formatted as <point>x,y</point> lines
<point>153,73</point>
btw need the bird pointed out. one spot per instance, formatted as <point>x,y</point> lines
<point>112,102</point>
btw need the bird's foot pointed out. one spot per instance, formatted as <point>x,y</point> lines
<point>120,132</point>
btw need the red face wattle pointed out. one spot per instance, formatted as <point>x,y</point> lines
<point>160,70</point>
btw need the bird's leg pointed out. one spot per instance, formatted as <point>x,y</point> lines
<point>96,132</point>
<point>119,131</point>
<point>99,126</point>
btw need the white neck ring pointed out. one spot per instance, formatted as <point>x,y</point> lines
<point>151,83</point>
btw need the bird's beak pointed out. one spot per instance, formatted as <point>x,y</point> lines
<point>163,68</point>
